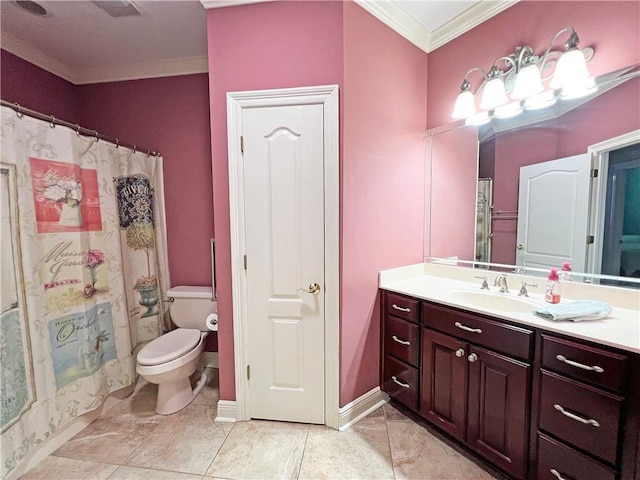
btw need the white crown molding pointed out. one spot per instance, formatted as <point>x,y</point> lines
<point>207,4</point>
<point>468,19</point>
<point>398,20</point>
<point>140,70</point>
<point>101,74</point>
<point>32,55</point>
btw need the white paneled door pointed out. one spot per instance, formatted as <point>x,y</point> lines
<point>284,243</point>
<point>553,212</point>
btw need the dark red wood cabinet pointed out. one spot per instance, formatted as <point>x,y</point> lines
<point>532,404</point>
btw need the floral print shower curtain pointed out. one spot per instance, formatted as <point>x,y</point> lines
<point>84,271</point>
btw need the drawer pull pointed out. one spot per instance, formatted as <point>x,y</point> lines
<point>403,342</point>
<point>595,368</point>
<point>556,474</point>
<point>573,416</point>
<point>407,310</point>
<point>402,384</point>
<point>467,329</point>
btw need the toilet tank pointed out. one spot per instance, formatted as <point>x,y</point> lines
<point>191,306</point>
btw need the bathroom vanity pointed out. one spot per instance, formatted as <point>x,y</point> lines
<point>532,398</point>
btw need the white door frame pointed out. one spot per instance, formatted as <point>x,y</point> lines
<point>236,102</point>
<point>600,161</point>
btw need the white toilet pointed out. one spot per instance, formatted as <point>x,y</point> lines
<point>171,359</point>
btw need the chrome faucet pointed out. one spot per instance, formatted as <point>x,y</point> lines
<point>501,282</point>
<point>523,290</point>
<point>485,285</point>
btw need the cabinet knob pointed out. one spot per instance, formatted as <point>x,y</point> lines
<point>460,352</point>
<point>472,358</point>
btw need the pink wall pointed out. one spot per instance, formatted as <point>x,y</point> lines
<point>454,171</point>
<point>383,182</point>
<point>611,27</point>
<point>170,115</point>
<point>37,89</point>
<point>253,47</point>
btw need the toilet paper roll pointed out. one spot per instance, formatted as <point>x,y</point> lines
<point>212,322</point>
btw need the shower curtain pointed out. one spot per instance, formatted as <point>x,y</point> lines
<point>84,272</point>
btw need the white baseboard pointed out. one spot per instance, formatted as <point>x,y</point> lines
<point>361,407</point>
<point>226,411</point>
<point>210,359</point>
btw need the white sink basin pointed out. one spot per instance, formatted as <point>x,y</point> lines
<point>491,300</point>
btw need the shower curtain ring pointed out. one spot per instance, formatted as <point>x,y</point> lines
<point>148,153</point>
<point>19,110</point>
<point>52,123</point>
<point>117,143</point>
<point>77,129</point>
<point>134,149</point>
<point>95,135</point>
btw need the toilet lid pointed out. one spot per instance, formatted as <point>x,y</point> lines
<point>169,346</point>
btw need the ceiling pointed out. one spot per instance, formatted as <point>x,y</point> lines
<point>82,43</point>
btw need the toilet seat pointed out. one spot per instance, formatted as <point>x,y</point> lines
<point>169,346</point>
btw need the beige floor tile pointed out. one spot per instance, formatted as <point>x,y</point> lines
<point>135,473</point>
<point>69,469</point>
<point>111,438</point>
<point>392,414</point>
<point>362,452</point>
<point>419,455</point>
<point>186,442</point>
<point>210,394</point>
<point>260,449</point>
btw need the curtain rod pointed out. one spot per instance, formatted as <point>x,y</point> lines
<point>53,121</point>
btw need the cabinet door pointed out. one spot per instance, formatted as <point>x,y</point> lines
<point>443,399</point>
<point>498,410</point>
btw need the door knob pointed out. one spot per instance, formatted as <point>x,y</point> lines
<point>472,358</point>
<point>314,289</point>
<point>460,352</point>
<point>520,246</point>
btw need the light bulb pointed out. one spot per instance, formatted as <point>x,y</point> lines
<point>579,89</point>
<point>541,100</point>
<point>528,83</point>
<point>477,119</point>
<point>494,94</point>
<point>508,110</point>
<point>571,68</point>
<point>465,105</point>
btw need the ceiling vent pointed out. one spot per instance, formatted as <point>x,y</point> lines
<point>121,8</point>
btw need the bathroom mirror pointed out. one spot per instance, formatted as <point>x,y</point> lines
<point>494,204</point>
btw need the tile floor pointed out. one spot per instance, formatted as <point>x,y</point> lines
<point>130,441</point>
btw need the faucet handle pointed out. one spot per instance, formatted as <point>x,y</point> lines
<point>485,285</point>
<point>523,290</point>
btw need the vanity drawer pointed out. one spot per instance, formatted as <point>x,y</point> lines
<point>402,340</point>
<point>401,382</point>
<point>583,416</point>
<point>553,456</point>
<point>403,307</point>
<point>585,363</point>
<point>502,337</point>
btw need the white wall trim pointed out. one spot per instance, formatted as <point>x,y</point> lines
<point>101,74</point>
<point>227,411</point>
<point>361,407</point>
<point>467,20</point>
<point>399,20</point>
<point>236,101</point>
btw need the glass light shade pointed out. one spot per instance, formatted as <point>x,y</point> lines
<point>542,100</point>
<point>465,105</point>
<point>579,89</point>
<point>508,110</point>
<point>571,68</point>
<point>528,83</point>
<point>494,94</point>
<point>477,119</point>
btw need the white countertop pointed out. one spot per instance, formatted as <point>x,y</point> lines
<point>434,282</point>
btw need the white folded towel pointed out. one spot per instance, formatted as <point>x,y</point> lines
<point>575,311</point>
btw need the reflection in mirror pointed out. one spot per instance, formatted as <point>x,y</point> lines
<point>558,186</point>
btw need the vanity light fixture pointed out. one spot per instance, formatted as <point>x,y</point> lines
<point>520,84</point>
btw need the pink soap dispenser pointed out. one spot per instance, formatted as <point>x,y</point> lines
<point>552,289</point>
